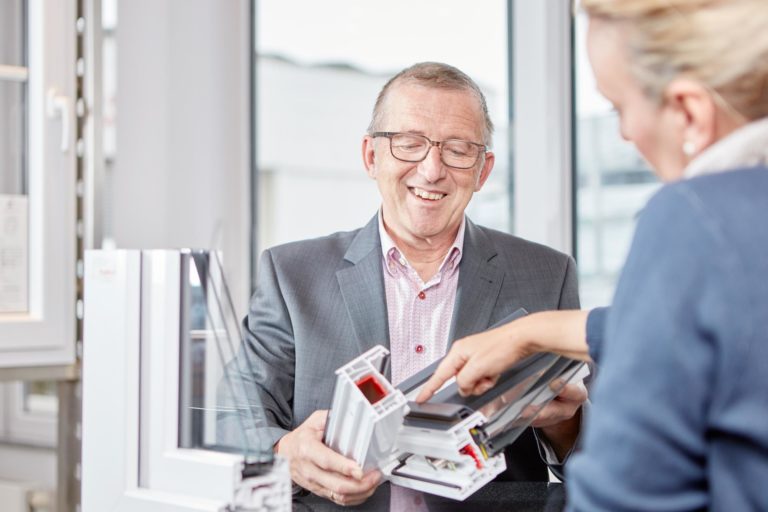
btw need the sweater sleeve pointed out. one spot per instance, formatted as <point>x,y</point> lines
<point>596,332</point>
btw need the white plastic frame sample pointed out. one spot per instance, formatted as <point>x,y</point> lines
<point>367,424</point>
<point>444,461</point>
<point>366,427</point>
<point>450,446</point>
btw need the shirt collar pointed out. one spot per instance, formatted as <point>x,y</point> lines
<point>390,251</point>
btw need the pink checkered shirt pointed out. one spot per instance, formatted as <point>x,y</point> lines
<point>420,317</point>
<point>419,313</point>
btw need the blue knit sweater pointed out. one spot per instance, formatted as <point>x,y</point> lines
<point>680,409</point>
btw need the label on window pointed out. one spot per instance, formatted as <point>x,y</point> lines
<point>14,254</point>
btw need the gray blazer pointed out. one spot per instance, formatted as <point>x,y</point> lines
<point>319,303</point>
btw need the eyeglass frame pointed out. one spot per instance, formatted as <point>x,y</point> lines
<point>432,143</point>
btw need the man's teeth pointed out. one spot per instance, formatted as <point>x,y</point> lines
<point>427,195</point>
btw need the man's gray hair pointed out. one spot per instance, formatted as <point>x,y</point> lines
<point>439,76</point>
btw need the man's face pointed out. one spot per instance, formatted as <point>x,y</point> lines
<point>425,201</point>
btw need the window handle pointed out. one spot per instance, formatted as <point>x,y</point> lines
<point>58,105</point>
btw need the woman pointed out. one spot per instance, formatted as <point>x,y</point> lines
<point>680,409</point>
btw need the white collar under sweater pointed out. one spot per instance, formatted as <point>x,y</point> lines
<point>745,147</point>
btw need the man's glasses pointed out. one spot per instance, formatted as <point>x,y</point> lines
<point>409,147</point>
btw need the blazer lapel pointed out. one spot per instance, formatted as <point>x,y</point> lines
<point>362,287</point>
<point>480,281</point>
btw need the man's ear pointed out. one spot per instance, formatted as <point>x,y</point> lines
<point>369,156</point>
<point>485,170</point>
<point>696,112</point>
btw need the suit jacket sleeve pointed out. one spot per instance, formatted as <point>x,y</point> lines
<point>257,390</point>
<point>569,293</point>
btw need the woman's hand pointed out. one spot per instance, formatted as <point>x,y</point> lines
<point>477,361</point>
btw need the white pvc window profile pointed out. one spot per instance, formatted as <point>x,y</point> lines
<point>131,455</point>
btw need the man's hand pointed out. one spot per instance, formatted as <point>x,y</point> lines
<point>563,407</point>
<point>321,470</point>
<point>560,419</point>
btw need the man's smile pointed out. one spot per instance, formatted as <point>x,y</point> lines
<point>423,194</point>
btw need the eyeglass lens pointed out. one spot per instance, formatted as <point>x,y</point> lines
<point>454,153</point>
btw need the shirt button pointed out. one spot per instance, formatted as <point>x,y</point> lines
<point>419,349</point>
<point>422,295</point>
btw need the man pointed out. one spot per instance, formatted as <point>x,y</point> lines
<point>417,277</point>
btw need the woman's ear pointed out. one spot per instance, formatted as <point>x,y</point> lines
<point>697,112</point>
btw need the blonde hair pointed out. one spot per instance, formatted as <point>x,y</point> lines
<point>722,44</point>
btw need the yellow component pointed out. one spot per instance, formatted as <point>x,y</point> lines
<point>474,433</point>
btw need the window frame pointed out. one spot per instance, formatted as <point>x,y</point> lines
<point>543,122</point>
<point>45,335</point>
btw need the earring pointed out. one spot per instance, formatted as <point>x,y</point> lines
<point>689,148</point>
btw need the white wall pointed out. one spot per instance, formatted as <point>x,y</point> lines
<point>181,176</point>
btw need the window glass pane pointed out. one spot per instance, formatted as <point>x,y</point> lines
<point>13,171</point>
<point>12,138</point>
<point>195,350</point>
<point>14,216</point>
<point>215,409</point>
<point>612,185</point>
<point>40,397</point>
<point>316,87</point>
<point>12,33</point>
